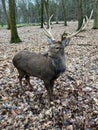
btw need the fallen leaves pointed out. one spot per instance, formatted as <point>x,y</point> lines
<point>75,103</point>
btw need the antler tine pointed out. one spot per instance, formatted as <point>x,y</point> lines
<point>84,24</point>
<point>48,32</point>
<point>49,22</point>
<point>88,19</point>
<point>73,34</point>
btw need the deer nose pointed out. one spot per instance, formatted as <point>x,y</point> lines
<point>63,69</point>
<point>60,70</point>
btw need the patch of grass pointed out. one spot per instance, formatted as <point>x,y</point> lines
<point>30,24</point>
<point>94,28</point>
<point>21,25</point>
<point>3,26</point>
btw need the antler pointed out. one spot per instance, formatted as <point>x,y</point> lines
<point>82,27</point>
<point>48,32</point>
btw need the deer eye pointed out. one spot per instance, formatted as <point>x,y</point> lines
<point>57,48</point>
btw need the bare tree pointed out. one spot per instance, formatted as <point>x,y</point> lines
<point>64,11</point>
<point>96,14</point>
<point>80,14</point>
<point>6,15</point>
<point>42,13</point>
<point>46,5</point>
<point>14,34</point>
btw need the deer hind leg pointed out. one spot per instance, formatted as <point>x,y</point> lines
<point>28,80</point>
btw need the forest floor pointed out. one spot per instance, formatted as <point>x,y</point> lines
<point>75,105</point>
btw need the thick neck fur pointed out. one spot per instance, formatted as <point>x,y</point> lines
<point>58,63</point>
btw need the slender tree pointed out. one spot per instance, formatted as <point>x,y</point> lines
<point>46,5</point>
<point>42,13</point>
<point>6,15</point>
<point>14,34</point>
<point>64,11</point>
<point>56,3</point>
<point>96,14</point>
<point>80,13</point>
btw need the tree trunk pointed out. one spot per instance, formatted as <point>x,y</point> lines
<point>14,34</point>
<point>80,14</point>
<point>6,15</point>
<point>42,13</point>
<point>46,3</point>
<point>64,10</point>
<point>57,11</point>
<point>96,14</point>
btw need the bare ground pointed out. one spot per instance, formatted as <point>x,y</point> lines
<point>75,104</point>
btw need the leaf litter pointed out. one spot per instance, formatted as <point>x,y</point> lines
<point>75,105</point>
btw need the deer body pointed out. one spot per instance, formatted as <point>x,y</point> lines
<point>38,65</point>
<point>47,66</point>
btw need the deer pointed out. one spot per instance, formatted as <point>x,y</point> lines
<point>49,66</point>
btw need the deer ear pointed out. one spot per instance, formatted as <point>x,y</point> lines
<point>50,41</point>
<point>65,42</point>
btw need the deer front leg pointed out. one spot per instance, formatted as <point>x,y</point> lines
<point>49,88</point>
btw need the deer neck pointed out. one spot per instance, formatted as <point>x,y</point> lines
<point>58,63</point>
